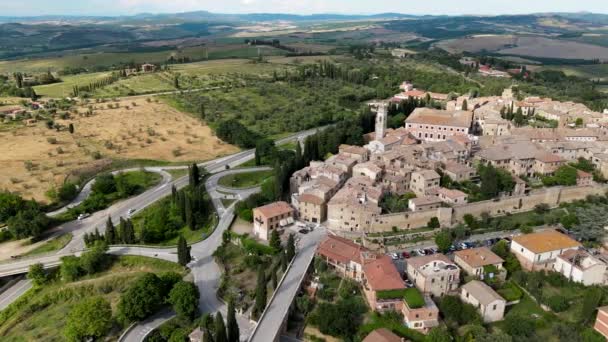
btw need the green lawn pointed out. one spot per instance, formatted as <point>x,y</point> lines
<point>141,84</point>
<point>52,245</point>
<point>40,314</point>
<point>245,180</point>
<point>64,88</point>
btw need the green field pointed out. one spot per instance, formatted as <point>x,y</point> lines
<point>40,314</point>
<point>109,59</point>
<point>591,71</point>
<point>141,84</point>
<point>64,88</point>
<point>245,180</point>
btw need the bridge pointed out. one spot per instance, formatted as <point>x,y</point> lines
<point>274,319</point>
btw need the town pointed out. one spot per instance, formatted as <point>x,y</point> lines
<point>271,171</point>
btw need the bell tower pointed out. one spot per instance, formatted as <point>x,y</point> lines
<point>381,117</point>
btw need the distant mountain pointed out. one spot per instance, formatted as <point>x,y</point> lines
<point>203,16</point>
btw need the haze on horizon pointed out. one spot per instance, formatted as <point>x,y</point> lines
<point>433,7</point>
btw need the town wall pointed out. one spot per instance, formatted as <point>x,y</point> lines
<point>449,216</point>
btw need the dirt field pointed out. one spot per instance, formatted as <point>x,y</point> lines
<point>32,161</point>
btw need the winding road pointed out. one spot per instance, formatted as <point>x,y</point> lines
<point>204,269</point>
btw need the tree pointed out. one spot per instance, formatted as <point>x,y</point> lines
<point>489,181</point>
<point>231,324</point>
<point>260,293</point>
<point>37,274</point>
<point>455,311</point>
<point>433,223</point>
<point>565,175</point>
<point>89,319</point>
<point>104,184</point>
<point>591,300</point>
<point>141,299</point>
<point>501,248</point>
<point>219,329</point>
<point>71,128</point>
<point>184,299</point>
<point>438,334</point>
<point>275,240</point>
<point>183,251</point>
<point>92,260</point>
<point>70,268</point>
<point>291,247</point>
<point>194,175</point>
<point>110,232</point>
<point>443,240</point>
<point>465,105</point>
<point>176,82</point>
<point>127,231</point>
<point>518,326</point>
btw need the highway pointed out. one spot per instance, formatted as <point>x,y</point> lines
<point>14,292</point>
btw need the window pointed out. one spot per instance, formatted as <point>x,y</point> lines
<point>494,307</point>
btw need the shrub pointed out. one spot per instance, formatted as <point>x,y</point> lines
<point>558,303</point>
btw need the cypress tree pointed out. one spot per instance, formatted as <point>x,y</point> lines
<point>183,251</point>
<point>275,240</point>
<point>231,323</point>
<point>220,329</point>
<point>273,279</point>
<point>71,128</point>
<point>190,217</point>
<point>128,233</point>
<point>260,294</point>
<point>110,232</point>
<point>291,248</point>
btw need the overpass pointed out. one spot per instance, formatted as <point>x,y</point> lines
<point>20,266</point>
<point>274,318</point>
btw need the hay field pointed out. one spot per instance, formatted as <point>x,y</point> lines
<point>33,163</point>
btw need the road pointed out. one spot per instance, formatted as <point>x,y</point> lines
<point>138,332</point>
<point>271,321</point>
<point>205,270</point>
<point>11,294</point>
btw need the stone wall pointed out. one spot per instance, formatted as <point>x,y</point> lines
<point>449,216</point>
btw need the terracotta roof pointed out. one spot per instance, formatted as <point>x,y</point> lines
<point>274,209</point>
<point>381,274</point>
<point>482,292</point>
<point>583,174</point>
<point>549,158</point>
<point>546,241</point>
<point>381,335</point>
<point>478,257</point>
<point>341,249</point>
<point>450,193</point>
<point>308,198</point>
<point>426,200</point>
<point>420,261</point>
<point>414,93</point>
<point>440,117</point>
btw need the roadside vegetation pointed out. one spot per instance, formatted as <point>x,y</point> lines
<point>88,297</point>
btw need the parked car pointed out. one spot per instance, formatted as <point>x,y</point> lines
<point>463,245</point>
<point>420,252</point>
<point>130,212</point>
<point>452,248</point>
<point>428,251</point>
<point>395,256</point>
<point>406,255</point>
<point>83,216</point>
<point>408,283</point>
<point>434,250</point>
<point>303,231</point>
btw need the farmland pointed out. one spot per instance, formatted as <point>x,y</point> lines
<point>532,46</point>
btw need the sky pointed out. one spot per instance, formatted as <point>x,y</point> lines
<point>450,7</point>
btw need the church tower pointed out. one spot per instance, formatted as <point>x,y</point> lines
<point>381,117</point>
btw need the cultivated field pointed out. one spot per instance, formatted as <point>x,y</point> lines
<point>65,87</point>
<point>592,71</point>
<point>527,46</point>
<point>33,161</point>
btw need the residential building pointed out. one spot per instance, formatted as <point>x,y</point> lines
<point>480,262</point>
<point>361,154</point>
<point>459,172</point>
<point>490,304</point>
<point>538,251</point>
<point>312,208</point>
<point>343,255</point>
<point>583,178</point>
<point>601,321</point>
<point>424,203</point>
<point>581,267</point>
<point>433,274</point>
<point>424,181</point>
<point>270,217</point>
<point>419,311</point>
<point>451,197</point>
<point>382,284</point>
<point>429,124</point>
<point>354,206</point>
<point>382,335</point>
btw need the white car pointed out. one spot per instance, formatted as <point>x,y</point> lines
<point>394,256</point>
<point>83,216</point>
<point>420,252</point>
<point>130,212</point>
